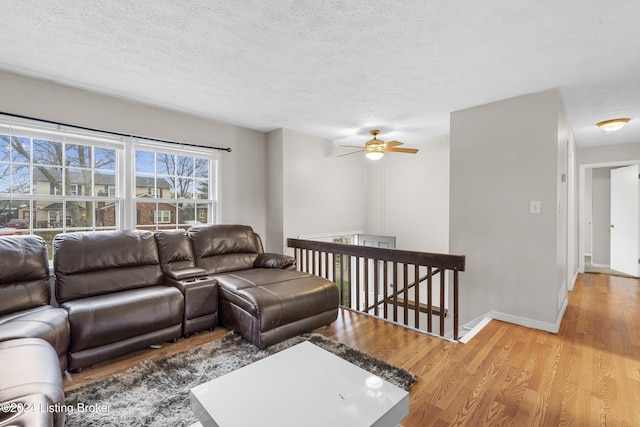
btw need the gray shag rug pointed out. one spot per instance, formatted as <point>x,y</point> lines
<point>156,392</point>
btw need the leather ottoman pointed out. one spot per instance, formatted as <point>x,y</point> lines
<point>267,306</point>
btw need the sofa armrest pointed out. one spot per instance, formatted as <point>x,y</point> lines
<point>268,260</point>
<point>186,273</point>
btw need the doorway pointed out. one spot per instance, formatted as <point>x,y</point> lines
<point>601,248</point>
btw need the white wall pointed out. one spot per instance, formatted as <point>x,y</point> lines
<point>318,193</point>
<point>275,238</point>
<point>504,155</point>
<point>408,196</point>
<point>242,176</point>
<point>573,214</point>
<point>621,154</point>
<point>568,218</point>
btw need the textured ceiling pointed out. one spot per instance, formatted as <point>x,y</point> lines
<point>338,68</point>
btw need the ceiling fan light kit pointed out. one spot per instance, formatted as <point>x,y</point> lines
<point>376,148</point>
<point>374,155</point>
<point>613,125</point>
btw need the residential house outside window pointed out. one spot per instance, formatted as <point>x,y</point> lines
<point>174,188</point>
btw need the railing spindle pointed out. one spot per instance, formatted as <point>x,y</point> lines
<point>376,287</point>
<point>349,265</point>
<point>455,305</point>
<point>341,277</point>
<point>416,297</point>
<point>395,291</point>
<point>442,288</point>
<point>357,283</point>
<point>429,299</point>
<point>405,271</point>
<point>366,284</point>
<point>385,290</point>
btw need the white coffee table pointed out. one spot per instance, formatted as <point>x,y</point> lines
<point>303,385</point>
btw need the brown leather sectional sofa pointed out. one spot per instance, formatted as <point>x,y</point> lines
<point>120,291</point>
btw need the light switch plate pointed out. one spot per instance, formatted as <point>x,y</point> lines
<point>535,207</point>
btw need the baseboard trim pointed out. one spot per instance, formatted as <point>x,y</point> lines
<point>533,323</point>
<point>477,328</point>
<point>600,265</point>
<point>474,326</point>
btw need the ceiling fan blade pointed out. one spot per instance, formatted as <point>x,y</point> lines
<point>348,154</point>
<point>393,143</point>
<point>402,150</point>
<point>376,145</point>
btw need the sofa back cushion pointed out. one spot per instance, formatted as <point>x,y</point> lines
<point>174,248</point>
<point>222,248</point>
<point>24,273</point>
<point>96,263</point>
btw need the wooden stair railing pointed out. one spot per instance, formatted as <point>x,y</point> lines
<point>377,281</point>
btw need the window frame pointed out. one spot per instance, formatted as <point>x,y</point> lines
<point>212,201</point>
<point>61,193</point>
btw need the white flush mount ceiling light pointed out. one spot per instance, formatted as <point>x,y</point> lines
<point>613,124</point>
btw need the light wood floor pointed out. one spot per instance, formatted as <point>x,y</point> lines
<point>586,375</point>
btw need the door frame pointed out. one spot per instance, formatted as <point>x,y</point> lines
<point>582,208</point>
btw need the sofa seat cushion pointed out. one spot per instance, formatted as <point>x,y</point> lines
<point>277,297</point>
<point>29,366</point>
<point>106,319</point>
<point>45,322</point>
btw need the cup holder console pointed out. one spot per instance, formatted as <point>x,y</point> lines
<point>197,279</point>
<point>200,303</point>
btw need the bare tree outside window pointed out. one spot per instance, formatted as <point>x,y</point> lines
<point>176,179</point>
<point>53,171</point>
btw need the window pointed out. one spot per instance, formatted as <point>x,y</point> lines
<point>162,217</point>
<point>48,177</point>
<point>57,181</point>
<point>107,190</point>
<point>174,187</point>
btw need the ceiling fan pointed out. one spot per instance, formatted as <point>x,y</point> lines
<point>375,148</point>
